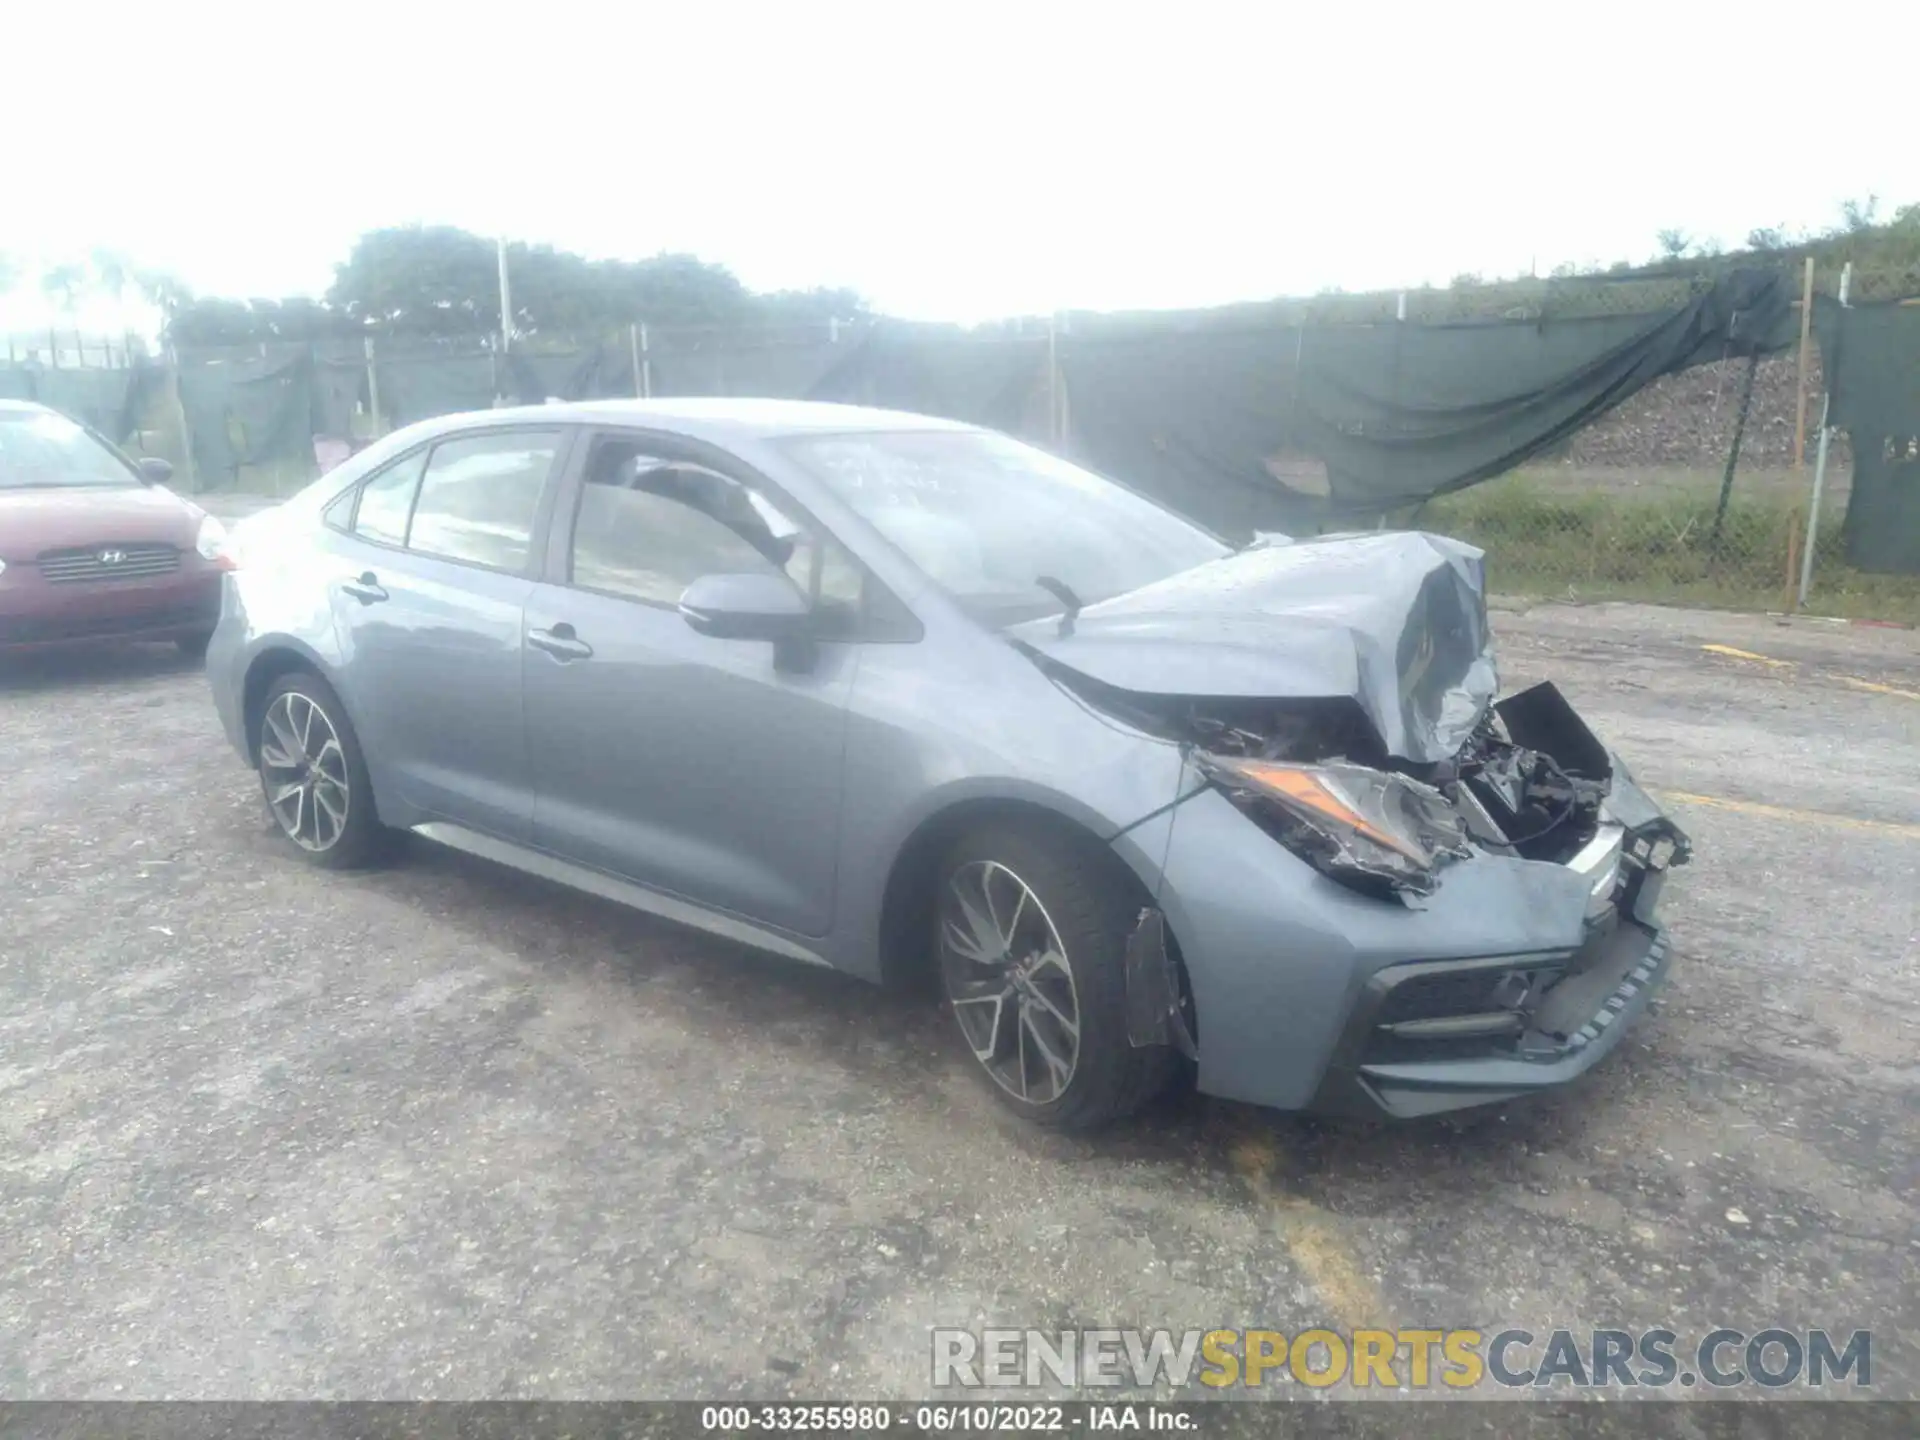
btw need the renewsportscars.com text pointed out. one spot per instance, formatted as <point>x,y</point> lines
<point>1725,1357</point>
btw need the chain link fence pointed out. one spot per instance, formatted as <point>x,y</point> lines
<point>1697,490</point>
<point>1694,490</point>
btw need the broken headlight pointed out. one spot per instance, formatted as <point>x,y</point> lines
<point>1368,828</point>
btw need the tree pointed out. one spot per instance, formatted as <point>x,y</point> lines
<point>441,280</point>
<point>1674,243</point>
<point>811,307</point>
<point>64,285</point>
<point>112,273</point>
<point>421,278</point>
<point>166,292</point>
<point>1858,215</point>
<point>212,321</point>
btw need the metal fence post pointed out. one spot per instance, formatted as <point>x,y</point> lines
<point>506,297</point>
<point>1820,459</point>
<point>633,356</point>
<point>1053,381</point>
<point>373,391</point>
<point>646,365</point>
<point>1806,341</point>
<point>1733,450</point>
<point>180,409</point>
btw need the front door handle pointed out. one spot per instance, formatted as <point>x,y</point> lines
<point>367,589</point>
<point>560,642</point>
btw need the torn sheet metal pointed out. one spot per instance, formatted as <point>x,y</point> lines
<point>1154,1012</point>
<point>1395,621</point>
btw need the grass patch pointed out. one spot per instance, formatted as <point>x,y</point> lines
<point>1660,546</point>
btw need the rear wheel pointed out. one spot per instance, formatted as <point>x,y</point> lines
<point>314,776</point>
<point>194,647</point>
<point>1031,933</point>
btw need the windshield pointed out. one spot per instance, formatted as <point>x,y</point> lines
<point>40,448</point>
<point>986,516</point>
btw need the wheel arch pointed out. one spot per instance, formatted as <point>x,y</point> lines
<point>269,663</point>
<point>907,898</point>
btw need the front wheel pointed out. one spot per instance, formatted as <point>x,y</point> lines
<point>314,776</point>
<point>1031,930</point>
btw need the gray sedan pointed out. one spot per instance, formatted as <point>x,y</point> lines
<point>908,698</point>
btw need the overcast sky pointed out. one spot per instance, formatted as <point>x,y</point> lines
<point>956,159</point>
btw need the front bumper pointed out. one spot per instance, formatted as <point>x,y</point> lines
<point>1310,996</point>
<point>36,613</point>
<point>1425,1038</point>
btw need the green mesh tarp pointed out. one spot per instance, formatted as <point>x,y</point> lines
<point>959,377</point>
<point>676,365</point>
<point>776,369</point>
<point>338,387</point>
<point>110,401</point>
<point>1192,420</point>
<point>1872,357</point>
<point>1396,413</point>
<point>562,375</point>
<point>1201,417</point>
<point>247,406</point>
<point>418,382</point>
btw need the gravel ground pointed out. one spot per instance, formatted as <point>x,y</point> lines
<point>442,1131</point>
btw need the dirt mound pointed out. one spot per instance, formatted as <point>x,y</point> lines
<point>1687,420</point>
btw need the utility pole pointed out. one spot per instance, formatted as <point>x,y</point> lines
<point>506,298</point>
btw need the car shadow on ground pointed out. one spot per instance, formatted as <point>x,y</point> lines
<point>900,1041</point>
<point>54,669</point>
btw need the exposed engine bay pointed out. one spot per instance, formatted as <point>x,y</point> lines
<point>1531,781</point>
<point>1514,798</point>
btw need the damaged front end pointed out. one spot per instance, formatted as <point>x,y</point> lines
<point>1340,695</point>
<point>1514,934</point>
<point>1531,781</point>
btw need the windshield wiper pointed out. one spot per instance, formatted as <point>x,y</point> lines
<point>1062,592</point>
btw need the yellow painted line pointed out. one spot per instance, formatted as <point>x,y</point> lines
<point>1311,1237</point>
<point>1729,651</point>
<point>1878,689</point>
<point>1783,812</point>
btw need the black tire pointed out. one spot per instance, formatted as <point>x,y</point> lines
<point>1092,907</point>
<point>359,839</point>
<point>194,647</point>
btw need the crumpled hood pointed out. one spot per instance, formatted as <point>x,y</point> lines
<point>1396,621</point>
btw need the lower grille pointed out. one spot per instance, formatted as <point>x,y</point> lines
<point>108,562</point>
<point>46,629</point>
<point>1471,989</point>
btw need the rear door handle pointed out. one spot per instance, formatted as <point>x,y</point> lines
<point>560,642</point>
<point>367,589</point>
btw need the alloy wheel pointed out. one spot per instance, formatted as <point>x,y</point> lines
<point>1007,976</point>
<point>304,772</point>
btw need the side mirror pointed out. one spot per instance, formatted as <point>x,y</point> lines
<point>745,607</point>
<point>154,470</point>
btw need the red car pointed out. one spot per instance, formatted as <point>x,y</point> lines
<point>93,546</point>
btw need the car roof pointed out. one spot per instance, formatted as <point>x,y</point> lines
<point>23,407</point>
<point>714,418</point>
